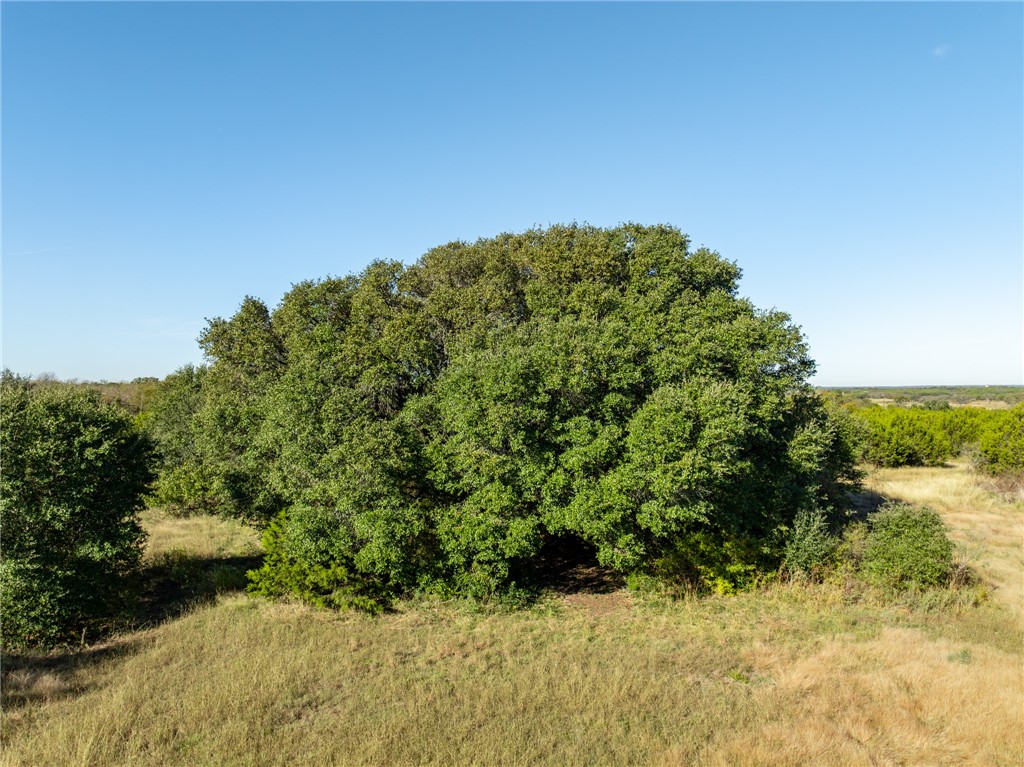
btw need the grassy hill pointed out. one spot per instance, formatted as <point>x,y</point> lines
<point>789,674</point>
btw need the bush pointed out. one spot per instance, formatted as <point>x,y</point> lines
<point>1001,447</point>
<point>298,562</point>
<point>74,474</point>
<point>963,426</point>
<point>906,548</point>
<point>811,545</point>
<point>902,437</point>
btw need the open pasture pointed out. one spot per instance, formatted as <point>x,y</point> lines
<point>784,675</point>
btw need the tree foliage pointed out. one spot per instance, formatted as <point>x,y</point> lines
<point>74,473</point>
<point>927,436</point>
<point>437,424</point>
<point>184,483</point>
<point>906,437</point>
<point>907,547</point>
<point>1002,445</point>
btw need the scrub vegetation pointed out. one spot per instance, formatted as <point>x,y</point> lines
<point>583,500</point>
<point>441,428</point>
<point>992,439</point>
<point>797,671</point>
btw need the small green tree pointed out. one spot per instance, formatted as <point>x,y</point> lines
<point>247,357</point>
<point>74,474</point>
<point>811,544</point>
<point>183,483</point>
<point>963,426</point>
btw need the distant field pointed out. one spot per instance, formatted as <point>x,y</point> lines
<point>956,396</point>
<point>788,675</point>
<point>137,395</point>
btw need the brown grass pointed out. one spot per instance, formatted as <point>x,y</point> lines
<point>894,699</point>
<point>202,537</point>
<point>988,527</point>
<point>791,675</point>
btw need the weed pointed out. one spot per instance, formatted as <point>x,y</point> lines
<point>962,656</point>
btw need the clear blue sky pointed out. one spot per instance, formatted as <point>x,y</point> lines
<point>862,163</point>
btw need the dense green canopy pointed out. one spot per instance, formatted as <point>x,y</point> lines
<point>433,427</point>
<point>74,474</point>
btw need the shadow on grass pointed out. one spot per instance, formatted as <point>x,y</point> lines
<point>567,565</point>
<point>168,586</point>
<point>35,676</point>
<point>864,503</point>
<point>177,581</point>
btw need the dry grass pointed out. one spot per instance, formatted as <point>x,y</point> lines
<point>788,676</point>
<point>202,537</point>
<point>894,699</point>
<point>988,528</point>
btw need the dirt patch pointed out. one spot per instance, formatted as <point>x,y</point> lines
<point>598,604</point>
<point>568,565</point>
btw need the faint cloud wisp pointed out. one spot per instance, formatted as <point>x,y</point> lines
<point>38,252</point>
<point>941,51</point>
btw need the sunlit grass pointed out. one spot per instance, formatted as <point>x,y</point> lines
<point>787,675</point>
<point>988,527</point>
<point>202,536</point>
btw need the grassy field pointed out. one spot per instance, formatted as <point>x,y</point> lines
<point>785,676</point>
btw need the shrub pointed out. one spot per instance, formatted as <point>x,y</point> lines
<point>1001,446</point>
<point>299,562</point>
<point>907,547</point>
<point>963,426</point>
<point>74,474</point>
<point>901,437</point>
<point>811,545</point>
<point>701,562</point>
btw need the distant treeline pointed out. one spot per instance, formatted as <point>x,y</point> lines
<point>137,395</point>
<point>954,396</point>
